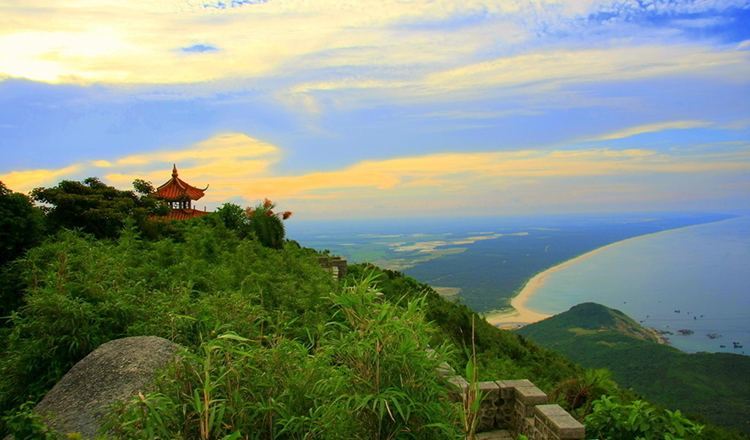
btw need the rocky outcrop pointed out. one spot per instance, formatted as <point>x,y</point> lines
<point>117,370</point>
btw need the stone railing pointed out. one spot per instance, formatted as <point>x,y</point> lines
<point>337,265</point>
<point>517,407</point>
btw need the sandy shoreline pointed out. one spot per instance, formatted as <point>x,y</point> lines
<point>521,315</point>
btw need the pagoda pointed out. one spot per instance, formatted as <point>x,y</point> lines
<point>179,195</point>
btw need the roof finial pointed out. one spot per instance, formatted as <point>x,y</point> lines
<point>174,170</point>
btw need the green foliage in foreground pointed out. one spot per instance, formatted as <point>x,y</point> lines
<point>369,376</point>
<point>638,420</point>
<point>274,348</point>
<point>83,292</point>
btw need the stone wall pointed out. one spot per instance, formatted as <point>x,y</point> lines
<point>337,265</point>
<point>518,407</point>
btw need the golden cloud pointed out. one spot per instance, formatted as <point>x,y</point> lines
<point>24,181</point>
<point>650,128</point>
<point>236,165</point>
<point>437,173</point>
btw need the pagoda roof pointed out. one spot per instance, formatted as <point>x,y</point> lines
<point>178,189</point>
<point>184,214</point>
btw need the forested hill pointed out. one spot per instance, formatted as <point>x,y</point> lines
<point>273,345</point>
<point>716,385</point>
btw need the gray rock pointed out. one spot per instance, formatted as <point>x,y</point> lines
<point>117,370</point>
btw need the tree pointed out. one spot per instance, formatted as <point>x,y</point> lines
<point>21,224</point>
<point>21,228</point>
<point>267,225</point>
<point>97,208</point>
<point>234,218</point>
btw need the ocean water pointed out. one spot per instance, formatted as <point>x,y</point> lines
<point>695,278</point>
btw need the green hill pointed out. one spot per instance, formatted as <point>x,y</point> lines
<point>715,385</point>
<point>272,344</point>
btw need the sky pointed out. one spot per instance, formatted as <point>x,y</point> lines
<point>395,108</point>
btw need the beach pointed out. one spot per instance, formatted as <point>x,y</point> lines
<point>520,315</point>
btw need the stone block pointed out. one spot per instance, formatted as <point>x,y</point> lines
<point>459,382</point>
<point>517,383</point>
<point>550,410</point>
<point>531,395</point>
<point>490,391</point>
<point>507,389</point>
<point>566,427</point>
<point>495,435</point>
<point>459,388</point>
<point>558,421</point>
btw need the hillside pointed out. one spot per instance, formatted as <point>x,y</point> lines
<point>716,385</point>
<point>278,319</point>
<point>272,344</point>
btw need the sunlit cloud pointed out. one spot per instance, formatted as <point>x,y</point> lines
<point>651,128</point>
<point>27,180</point>
<point>440,173</point>
<point>236,165</point>
<point>225,161</point>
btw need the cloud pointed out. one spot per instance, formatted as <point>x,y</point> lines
<point>235,165</point>
<point>397,43</point>
<point>439,175</point>
<point>224,161</point>
<point>233,3</point>
<point>651,128</point>
<point>24,181</point>
<point>530,74</point>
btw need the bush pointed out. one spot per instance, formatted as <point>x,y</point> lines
<point>638,420</point>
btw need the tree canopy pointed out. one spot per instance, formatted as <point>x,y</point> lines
<point>95,207</point>
<point>21,224</point>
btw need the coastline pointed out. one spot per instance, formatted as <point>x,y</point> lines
<point>519,315</point>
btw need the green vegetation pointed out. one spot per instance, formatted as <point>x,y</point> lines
<point>274,348</point>
<point>639,420</point>
<point>366,375</point>
<point>715,385</point>
<point>260,222</point>
<point>97,208</point>
<point>21,228</point>
<point>579,393</point>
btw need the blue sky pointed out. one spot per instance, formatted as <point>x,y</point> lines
<point>340,108</point>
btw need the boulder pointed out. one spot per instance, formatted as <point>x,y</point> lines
<point>117,370</point>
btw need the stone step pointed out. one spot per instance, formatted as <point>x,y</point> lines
<point>501,434</point>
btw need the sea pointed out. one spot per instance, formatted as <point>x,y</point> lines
<point>687,274</point>
<point>692,283</point>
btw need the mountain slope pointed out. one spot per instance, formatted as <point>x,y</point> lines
<point>715,385</point>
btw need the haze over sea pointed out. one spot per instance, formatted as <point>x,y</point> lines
<point>696,278</point>
<point>699,266</point>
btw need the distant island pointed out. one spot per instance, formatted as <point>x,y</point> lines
<point>716,385</point>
